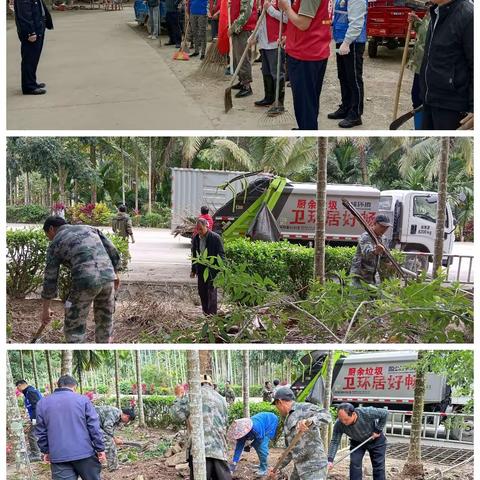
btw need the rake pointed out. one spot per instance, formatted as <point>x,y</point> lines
<point>277,115</point>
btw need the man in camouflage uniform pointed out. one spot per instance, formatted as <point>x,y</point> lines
<point>229,393</point>
<point>308,455</point>
<point>93,262</point>
<point>122,224</point>
<point>110,419</point>
<point>215,422</point>
<point>367,258</point>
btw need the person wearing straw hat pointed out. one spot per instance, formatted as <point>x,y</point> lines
<point>308,455</point>
<point>257,431</point>
<point>366,262</point>
<point>215,418</point>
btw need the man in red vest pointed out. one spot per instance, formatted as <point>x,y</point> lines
<point>244,19</point>
<point>308,49</point>
<point>267,38</point>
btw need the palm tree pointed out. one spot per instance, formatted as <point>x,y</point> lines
<point>34,368</point>
<point>321,209</point>
<point>205,362</point>
<point>84,361</point>
<point>23,469</point>
<point>246,383</point>
<point>138,367</point>
<point>362,145</point>
<point>195,419</point>
<point>327,394</point>
<point>414,466</point>
<point>441,205</point>
<point>66,362</point>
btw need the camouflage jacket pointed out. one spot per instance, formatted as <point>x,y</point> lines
<point>110,418</point>
<point>245,12</point>
<point>87,252</point>
<point>365,263</point>
<point>215,419</point>
<point>308,454</point>
<point>229,395</point>
<point>122,225</point>
<point>416,56</point>
<point>267,395</point>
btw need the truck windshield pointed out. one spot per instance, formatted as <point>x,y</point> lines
<point>424,209</point>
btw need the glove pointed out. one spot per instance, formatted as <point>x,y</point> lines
<point>34,421</point>
<point>232,467</point>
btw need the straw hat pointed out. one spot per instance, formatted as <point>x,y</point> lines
<point>239,428</point>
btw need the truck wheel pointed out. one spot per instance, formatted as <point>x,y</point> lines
<point>372,48</point>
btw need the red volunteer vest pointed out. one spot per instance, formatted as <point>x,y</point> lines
<point>273,25</point>
<point>314,43</point>
<point>252,20</point>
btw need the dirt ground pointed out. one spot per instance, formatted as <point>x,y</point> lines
<point>380,78</point>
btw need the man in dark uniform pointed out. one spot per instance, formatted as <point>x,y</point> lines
<point>210,241</point>
<point>32,18</point>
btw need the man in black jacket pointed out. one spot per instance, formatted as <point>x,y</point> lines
<point>446,74</point>
<point>210,241</point>
<point>31,397</point>
<point>32,18</point>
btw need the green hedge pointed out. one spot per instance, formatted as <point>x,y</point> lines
<point>235,411</point>
<point>27,214</point>
<point>290,266</point>
<point>26,256</point>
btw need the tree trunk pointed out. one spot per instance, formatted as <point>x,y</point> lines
<point>23,468</point>
<point>66,366</point>
<point>195,420</point>
<point>150,176</point>
<point>26,196</point>
<point>327,394</point>
<point>141,412</point>
<point>362,153</point>
<point>413,466</point>
<point>50,201</point>
<point>205,362</point>
<point>123,171</point>
<point>34,368</point>
<point>136,186</point>
<point>22,364</point>
<point>49,370</point>
<point>441,205</point>
<point>321,210</point>
<point>117,386</point>
<point>246,384</point>
<point>93,162</point>
<point>62,180</point>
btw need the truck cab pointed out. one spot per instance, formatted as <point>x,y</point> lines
<point>413,215</point>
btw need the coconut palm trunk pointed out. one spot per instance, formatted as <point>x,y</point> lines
<point>34,368</point>
<point>327,395</point>
<point>138,366</point>
<point>66,362</point>
<point>117,386</point>
<point>321,209</point>
<point>246,383</point>
<point>49,370</point>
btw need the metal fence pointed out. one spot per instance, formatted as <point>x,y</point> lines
<point>451,427</point>
<point>459,267</point>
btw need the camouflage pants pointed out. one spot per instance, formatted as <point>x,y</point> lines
<point>32,442</point>
<point>319,474</point>
<point>199,32</point>
<point>111,452</point>
<point>77,307</point>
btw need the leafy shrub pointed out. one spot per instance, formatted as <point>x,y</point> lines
<point>27,214</point>
<point>155,220</point>
<point>91,214</point>
<point>125,387</point>
<point>26,254</point>
<point>102,389</point>
<point>235,411</point>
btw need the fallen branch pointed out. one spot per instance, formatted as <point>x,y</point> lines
<point>354,317</point>
<point>435,475</point>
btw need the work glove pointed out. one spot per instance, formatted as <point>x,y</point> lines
<point>34,421</point>
<point>232,467</point>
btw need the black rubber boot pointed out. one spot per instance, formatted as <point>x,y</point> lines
<point>269,87</point>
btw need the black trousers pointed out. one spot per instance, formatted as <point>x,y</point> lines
<point>216,469</point>
<point>214,27</point>
<point>376,449</point>
<point>350,75</point>
<point>173,27</point>
<point>31,52</point>
<point>306,80</point>
<point>208,295</point>
<point>86,469</point>
<point>440,119</point>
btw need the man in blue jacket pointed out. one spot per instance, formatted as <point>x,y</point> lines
<point>199,21</point>
<point>32,18</point>
<point>69,434</point>
<point>31,397</point>
<point>349,28</point>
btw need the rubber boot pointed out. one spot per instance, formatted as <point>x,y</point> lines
<point>269,87</point>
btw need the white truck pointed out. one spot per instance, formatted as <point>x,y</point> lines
<point>234,199</point>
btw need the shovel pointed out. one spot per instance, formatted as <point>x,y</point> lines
<point>350,452</point>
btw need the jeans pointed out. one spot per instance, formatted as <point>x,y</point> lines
<point>86,469</point>
<point>262,449</point>
<point>377,449</point>
<point>154,20</point>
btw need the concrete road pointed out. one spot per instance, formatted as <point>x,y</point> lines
<point>100,75</point>
<point>158,257</point>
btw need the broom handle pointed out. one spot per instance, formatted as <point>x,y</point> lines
<point>230,41</point>
<point>402,69</point>
<point>244,54</point>
<point>279,56</point>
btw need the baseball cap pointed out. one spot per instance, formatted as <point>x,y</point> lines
<point>284,393</point>
<point>383,220</point>
<point>130,412</point>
